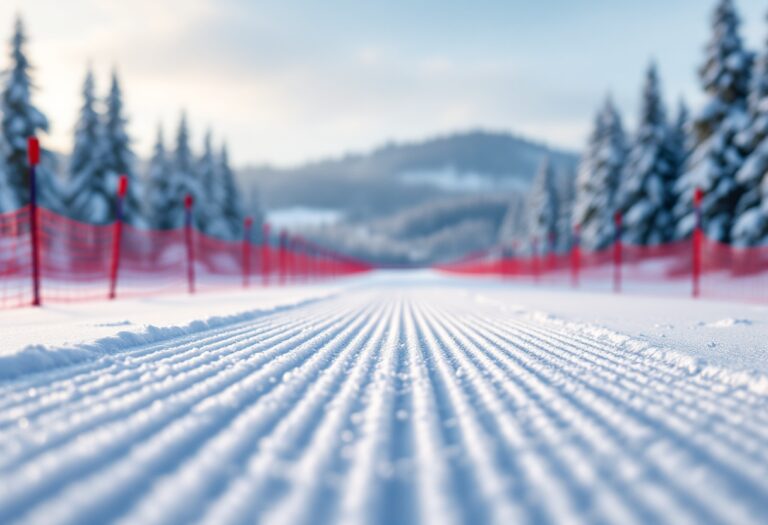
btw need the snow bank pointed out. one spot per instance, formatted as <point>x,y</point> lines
<point>42,340</point>
<point>692,365</point>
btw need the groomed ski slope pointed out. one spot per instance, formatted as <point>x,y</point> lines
<point>390,404</point>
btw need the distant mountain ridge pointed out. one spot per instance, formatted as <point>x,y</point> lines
<point>404,174</point>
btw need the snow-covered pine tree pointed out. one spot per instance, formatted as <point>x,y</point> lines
<point>87,193</point>
<point>598,179</point>
<point>513,231</point>
<point>679,138</point>
<point>210,208</point>
<point>751,224</point>
<point>183,177</point>
<point>716,157</point>
<point>159,192</point>
<point>119,157</point>
<point>20,120</point>
<point>679,143</point>
<point>232,203</point>
<point>252,207</point>
<point>544,208</point>
<point>566,193</point>
<point>646,193</point>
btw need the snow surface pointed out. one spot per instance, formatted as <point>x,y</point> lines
<point>36,339</point>
<point>395,398</point>
<point>719,333</point>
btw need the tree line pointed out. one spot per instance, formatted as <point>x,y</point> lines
<point>102,151</point>
<point>651,174</point>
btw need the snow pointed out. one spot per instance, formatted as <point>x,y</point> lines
<point>299,216</point>
<point>403,397</point>
<point>53,336</point>
<point>452,180</point>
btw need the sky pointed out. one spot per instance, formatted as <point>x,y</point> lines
<point>290,81</point>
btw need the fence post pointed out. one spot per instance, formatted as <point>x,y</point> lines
<point>265,254</point>
<point>698,238</point>
<point>513,266</point>
<point>117,234</point>
<point>576,256</point>
<point>535,258</point>
<point>33,156</point>
<point>282,257</point>
<point>293,259</point>
<point>188,203</point>
<point>301,259</point>
<point>310,261</point>
<point>551,251</point>
<point>247,223</point>
<point>617,253</point>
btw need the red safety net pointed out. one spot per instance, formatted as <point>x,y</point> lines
<point>725,272</point>
<point>15,257</point>
<point>81,261</point>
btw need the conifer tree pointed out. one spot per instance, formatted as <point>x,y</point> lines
<point>646,193</point>
<point>119,157</point>
<point>210,210</point>
<point>544,207</point>
<point>183,179</point>
<point>513,231</point>
<point>20,120</point>
<point>679,143</point>
<point>160,195</point>
<point>716,156</point>
<point>598,179</point>
<point>566,195</point>
<point>232,203</point>
<point>750,224</point>
<point>87,192</point>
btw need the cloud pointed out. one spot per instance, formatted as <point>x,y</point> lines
<point>369,55</point>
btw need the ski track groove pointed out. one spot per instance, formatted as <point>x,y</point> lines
<point>133,396</point>
<point>682,418</point>
<point>529,392</point>
<point>603,400</point>
<point>249,492</point>
<point>384,405</point>
<point>81,461</point>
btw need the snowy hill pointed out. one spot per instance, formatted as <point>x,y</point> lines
<point>408,203</point>
<point>436,231</point>
<point>399,175</point>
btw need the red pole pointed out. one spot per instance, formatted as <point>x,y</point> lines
<point>298,256</point>
<point>576,256</point>
<point>282,257</point>
<point>617,253</point>
<point>290,258</point>
<point>265,254</point>
<point>535,254</point>
<point>33,155</point>
<point>551,251</point>
<point>698,239</point>
<point>310,255</point>
<point>247,223</point>
<point>188,202</point>
<point>514,263</point>
<point>117,234</point>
